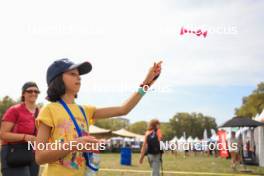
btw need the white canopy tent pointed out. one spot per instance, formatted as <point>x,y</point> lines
<point>181,142</point>
<point>96,130</point>
<point>196,140</point>
<point>259,140</point>
<point>99,132</point>
<point>182,139</point>
<point>190,139</point>
<point>205,135</point>
<point>174,140</point>
<point>124,133</point>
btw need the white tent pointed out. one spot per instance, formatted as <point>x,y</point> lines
<point>190,139</point>
<point>259,140</point>
<point>205,135</point>
<point>196,140</point>
<point>129,139</point>
<point>100,132</point>
<point>124,133</point>
<point>96,130</point>
<point>214,136</point>
<point>181,143</point>
<point>116,140</point>
<point>213,132</point>
<point>174,140</point>
<point>182,139</point>
<point>260,117</point>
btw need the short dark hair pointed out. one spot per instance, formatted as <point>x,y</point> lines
<point>25,87</point>
<point>56,89</point>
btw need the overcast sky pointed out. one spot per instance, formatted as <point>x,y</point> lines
<point>122,39</point>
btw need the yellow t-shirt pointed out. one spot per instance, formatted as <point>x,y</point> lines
<point>62,129</point>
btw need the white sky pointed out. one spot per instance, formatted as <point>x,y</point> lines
<point>122,39</point>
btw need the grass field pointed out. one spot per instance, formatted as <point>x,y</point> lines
<point>192,165</point>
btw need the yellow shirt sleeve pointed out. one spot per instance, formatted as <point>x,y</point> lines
<point>90,110</point>
<point>45,117</point>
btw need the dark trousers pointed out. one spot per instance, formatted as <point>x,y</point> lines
<point>29,170</point>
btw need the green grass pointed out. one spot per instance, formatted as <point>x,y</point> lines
<point>198,164</point>
<point>171,163</point>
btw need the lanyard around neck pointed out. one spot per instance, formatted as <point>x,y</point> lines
<point>86,155</point>
<point>72,117</point>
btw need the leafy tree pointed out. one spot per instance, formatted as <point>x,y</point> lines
<point>138,127</point>
<point>166,131</point>
<point>5,103</point>
<point>252,104</point>
<point>192,124</point>
<point>113,123</point>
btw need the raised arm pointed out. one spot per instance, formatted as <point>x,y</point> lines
<point>128,105</point>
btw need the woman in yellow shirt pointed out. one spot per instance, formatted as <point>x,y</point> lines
<point>56,125</point>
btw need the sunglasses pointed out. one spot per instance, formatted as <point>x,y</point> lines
<point>33,91</point>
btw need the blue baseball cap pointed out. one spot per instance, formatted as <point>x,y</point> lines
<point>62,65</point>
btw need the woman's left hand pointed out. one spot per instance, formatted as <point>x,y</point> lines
<point>153,74</point>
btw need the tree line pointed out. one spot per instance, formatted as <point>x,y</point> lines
<point>192,124</point>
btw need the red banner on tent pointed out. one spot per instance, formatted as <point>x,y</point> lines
<point>223,149</point>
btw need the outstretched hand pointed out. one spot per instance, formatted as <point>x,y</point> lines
<point>153,74</point>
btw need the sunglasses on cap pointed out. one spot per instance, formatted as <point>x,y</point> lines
<point>32,91</point>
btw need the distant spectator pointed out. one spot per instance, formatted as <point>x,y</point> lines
<point>151,147</point>
<point>233,147</point>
